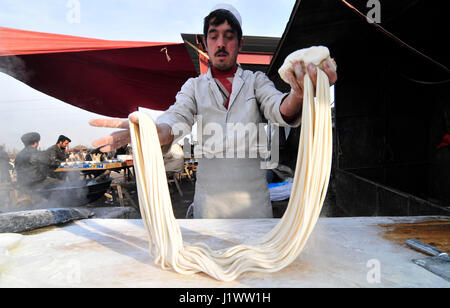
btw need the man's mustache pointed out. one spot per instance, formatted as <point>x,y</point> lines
<point>221,51</point>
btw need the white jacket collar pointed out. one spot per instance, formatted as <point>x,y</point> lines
<point>238,72</point>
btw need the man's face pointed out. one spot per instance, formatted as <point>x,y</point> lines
<point>222,46</point>
<point>63,145</point>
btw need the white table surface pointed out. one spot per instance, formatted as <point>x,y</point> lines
<point>341,252</point>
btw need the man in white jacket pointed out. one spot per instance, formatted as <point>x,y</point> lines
<point>230,182</point>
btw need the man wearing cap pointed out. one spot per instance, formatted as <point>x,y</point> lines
<point>226,94</point>
<point>32,165</point>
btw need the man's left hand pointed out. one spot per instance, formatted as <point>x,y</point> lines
<point>296,78</point>
<point>292,105</point>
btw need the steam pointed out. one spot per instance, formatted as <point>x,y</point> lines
<point>72,193</point>
<point>12,65</point>
<point>15,67</point>
<point>68,194</point>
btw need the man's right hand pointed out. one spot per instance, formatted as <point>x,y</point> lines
<point>123,137</point>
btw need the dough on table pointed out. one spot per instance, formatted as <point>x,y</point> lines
<point>4,257</point>
<point>8,241</point>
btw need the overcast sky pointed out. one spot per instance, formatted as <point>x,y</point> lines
<point>23,109</point>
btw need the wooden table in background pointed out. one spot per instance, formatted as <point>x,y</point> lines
<point>126,166</point>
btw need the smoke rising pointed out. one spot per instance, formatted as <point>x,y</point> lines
<point>68,194</point>
<point>12,65</point>
<point>15,67</point>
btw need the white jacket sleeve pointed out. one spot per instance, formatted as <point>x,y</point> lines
<point>181,115</point>
<point>270,100</point>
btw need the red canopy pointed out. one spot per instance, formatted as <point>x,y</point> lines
<point>111,78</point>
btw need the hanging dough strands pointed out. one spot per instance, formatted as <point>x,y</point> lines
<point>279,247</point>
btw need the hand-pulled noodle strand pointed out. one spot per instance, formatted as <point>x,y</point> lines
<point>279,247</point>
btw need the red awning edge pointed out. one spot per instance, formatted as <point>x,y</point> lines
<point>111,78</point>
<point>14,42</point>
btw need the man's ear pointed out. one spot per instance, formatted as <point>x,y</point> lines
<point>241,44</point>
<point>205,45</point>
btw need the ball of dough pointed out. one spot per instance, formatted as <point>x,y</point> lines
<point>315,55</point>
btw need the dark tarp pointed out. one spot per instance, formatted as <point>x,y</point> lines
<point>392,105</point>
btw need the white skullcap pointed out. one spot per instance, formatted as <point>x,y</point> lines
<point>231,9</point>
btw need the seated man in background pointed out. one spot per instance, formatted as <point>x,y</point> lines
<point>33,166</point>
<point>95,155</point>
<point>124,150</point>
